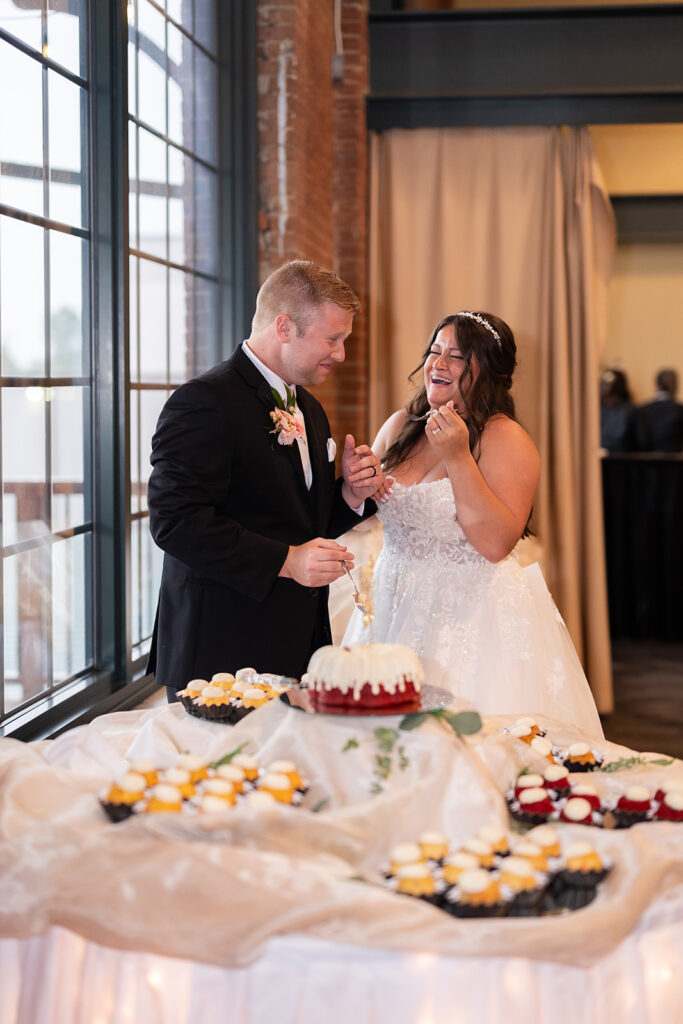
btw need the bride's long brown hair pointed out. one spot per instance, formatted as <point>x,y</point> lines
<point>483,395</point>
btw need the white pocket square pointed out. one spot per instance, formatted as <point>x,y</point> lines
<point>331,449</point>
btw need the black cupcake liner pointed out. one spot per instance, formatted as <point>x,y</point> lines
<point>566,879</point>
<point>572,766</point>
<point>466,910</point>
<point>224,713</point>
<point>625,819</point>
<point>117,812</point>
<point>527,903</point>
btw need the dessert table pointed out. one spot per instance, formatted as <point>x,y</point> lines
<point>276,913</point>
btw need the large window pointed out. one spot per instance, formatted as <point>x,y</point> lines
<point>45,365</point>
<point>116,285</point>
<point>173,168</point>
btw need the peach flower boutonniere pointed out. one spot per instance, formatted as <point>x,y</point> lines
<point>287,428</point>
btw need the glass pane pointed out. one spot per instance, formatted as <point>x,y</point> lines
<point>25,513</point>
<point>204,349</point>
<point>179,317</point>
<point>153,225</point>
<point>132,187</point>
<point>152,208</point>
<point>176,231</point>
<point>152,321</point>
<point>22,312</point>
<point>205,23</point>
<point>26,594</point>
<point>71,643</point>
<point>181,11</point>
<point>21,130</point>
<point>134,451</point>
<point>205,228</point>
<point>66,178</point>
<point>152,66</point>
<point>68,266</point>
<point>205,104</point>
<point>23,22</point>
<point>132,79</point>
<point>134,367</point>
<point>70,421</point>
<point>151,404</point>
<point>180,88</point>
<point>65,31</point>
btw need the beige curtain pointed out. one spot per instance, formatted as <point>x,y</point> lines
<point>515,221</point>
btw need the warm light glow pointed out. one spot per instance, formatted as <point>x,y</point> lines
<point>130,11</point>
<point>45,50</point>
<point>155,977</point>
<point>34,394</point>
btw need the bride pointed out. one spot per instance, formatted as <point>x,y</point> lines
<point>447,582</point>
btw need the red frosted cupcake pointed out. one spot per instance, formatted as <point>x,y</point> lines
<point>670,806</point>
<point>535,805</point>
<point>556,777</point>
<point>634,806</point>
<point>587,792</point>
<point>529,781</point>
<point>577,811</point>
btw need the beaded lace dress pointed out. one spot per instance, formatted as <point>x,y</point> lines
<point>488,632</point>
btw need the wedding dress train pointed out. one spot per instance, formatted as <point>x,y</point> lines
<point>488,632</point>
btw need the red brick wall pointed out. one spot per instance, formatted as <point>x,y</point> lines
<point>313,167</point>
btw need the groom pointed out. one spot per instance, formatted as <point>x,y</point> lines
<point>243,496</point>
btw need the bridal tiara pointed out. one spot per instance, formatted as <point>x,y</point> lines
<point>484,323</point>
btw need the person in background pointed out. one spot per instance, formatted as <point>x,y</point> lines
<point>619,428</point>
<point>661,420</point>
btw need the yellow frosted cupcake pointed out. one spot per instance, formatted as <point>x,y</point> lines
<point>481,850</point>
<point>128,789</point>
<point>143,766</point>
<point>496,837</point>
<point>533,853</point>
<point>278,785</point>
<point>232,773</point>
<point>403,854</point>
<point>546,837</point>
<point>195,765</point>
<point>248,764</point>
<point>433,845</point>
<point>454,866</point>
<point>220,788</point>
<point>287,768</point>
<point>477,894</point>
<point>223,679</point>
<point>518,874</point>
<point>254,697</point>
<point>180,778</point>
<point>415,880</point>
<point>164,799</point>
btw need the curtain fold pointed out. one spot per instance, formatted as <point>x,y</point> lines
<point>515,221</point>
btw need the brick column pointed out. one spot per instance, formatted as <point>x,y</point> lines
<point>313,166</point>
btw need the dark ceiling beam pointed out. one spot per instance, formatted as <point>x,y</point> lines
<point>552,66</point>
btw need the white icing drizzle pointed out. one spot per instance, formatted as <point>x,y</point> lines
<point>384,667</point>
<point>637,793</point>
<point>577,809</point>
<point>533,795</point>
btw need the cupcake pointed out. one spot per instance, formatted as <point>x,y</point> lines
<point>556,778</point>
<point>634,806</point>
<point>223,679</point>
<point>547,838</point>
<point>659,795</point>
<point>575,886</point>
<point>523,733</point>
<point>402,854</point>
<point>287,768</point>
<point>245,675</point>
<point>191,692</point>
<point>259,800</point>
<point>578,811</point>
<point>147,769</point>
<point>164,798</point>
<point>670,806</point>
<point>528,781</point>
<point>213,703</point>
<point>433,845</point>
<point>535,805</point>
<point>209,803</point>
<point>454,866</point>
<point>180,778</point>
<point>220,788</point>
<point>496,837</point>
<point>587,791</point>
<point>580,758</point>
<point>248,764</point>
<point>526,886</point>
<point>530,722</point>
<point>194,764</point>
<point>532,853</point>
<point>126,791</point>
<point>477,894</point>
<point>278,785</point>
<point>254,697</point>
<point>481,850</point>
<point>416,880</point>
<point>541,745</point>
<point>232,773</point>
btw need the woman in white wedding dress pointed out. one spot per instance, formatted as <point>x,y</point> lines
<point>447,582</point>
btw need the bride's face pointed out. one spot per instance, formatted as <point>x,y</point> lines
<point>442,371</point>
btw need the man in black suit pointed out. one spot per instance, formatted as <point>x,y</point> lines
<point>244,507</point>
<point>661,420</point>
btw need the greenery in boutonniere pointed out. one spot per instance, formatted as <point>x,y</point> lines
<point>287,429</point>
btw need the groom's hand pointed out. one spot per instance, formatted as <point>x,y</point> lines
<point>316,563</point>
<point>361,471</point>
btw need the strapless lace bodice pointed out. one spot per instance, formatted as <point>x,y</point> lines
<point>421,521</point>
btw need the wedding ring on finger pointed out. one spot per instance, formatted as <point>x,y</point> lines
<point>374,470</point>
<point>436,429</point>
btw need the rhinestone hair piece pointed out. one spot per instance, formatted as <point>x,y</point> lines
<point>484,323</point>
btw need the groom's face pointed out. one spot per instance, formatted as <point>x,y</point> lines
<point>309,357</point>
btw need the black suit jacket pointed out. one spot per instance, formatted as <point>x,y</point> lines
<point>662,425</point>
<point>226,501</point>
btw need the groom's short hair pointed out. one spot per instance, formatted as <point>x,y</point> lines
<point>299,288</point>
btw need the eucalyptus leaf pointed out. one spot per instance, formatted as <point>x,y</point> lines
<point>465,723</point>
<point>349,745</point>
<point>320,806</point>
<point>228,757</point>
<point>412,721</point>
<point>386,738</point>
<point>278,399</point>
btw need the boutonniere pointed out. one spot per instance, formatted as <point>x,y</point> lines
<point>287,428</point>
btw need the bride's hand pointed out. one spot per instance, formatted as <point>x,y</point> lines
<point>447,432</point>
